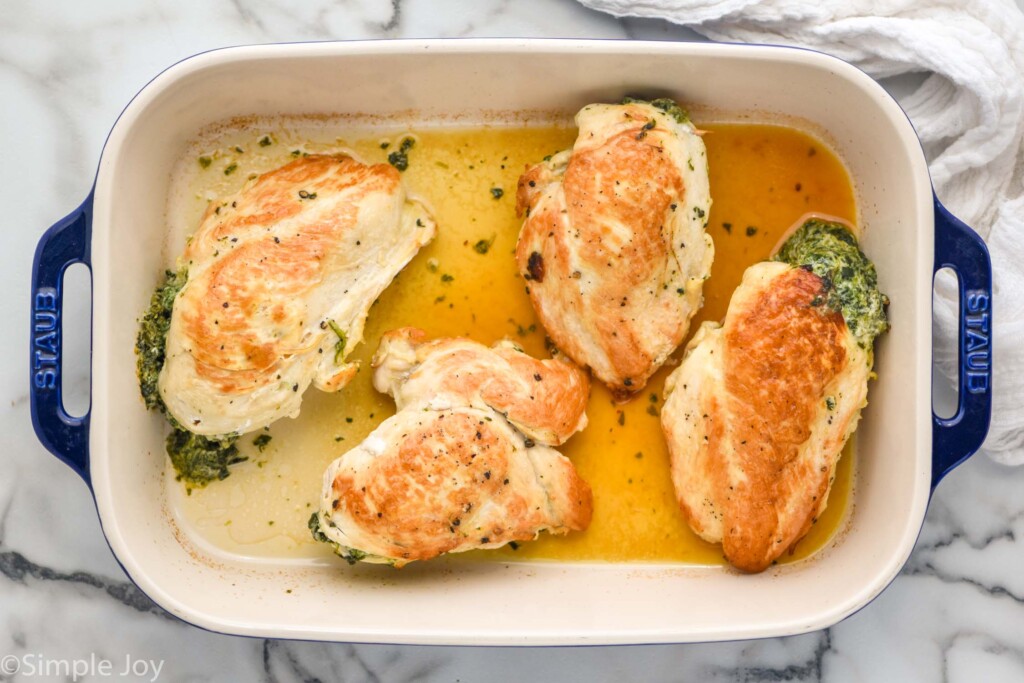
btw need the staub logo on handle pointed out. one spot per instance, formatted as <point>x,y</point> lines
<point>977,358</point>
<point>45,338</point>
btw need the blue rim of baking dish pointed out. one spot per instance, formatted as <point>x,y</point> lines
<point>957,247</point>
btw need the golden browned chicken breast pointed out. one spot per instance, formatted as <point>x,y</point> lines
<point>613,247</point>
<point>280,279</point>
<point>757,414</point>
<point>467,462</point>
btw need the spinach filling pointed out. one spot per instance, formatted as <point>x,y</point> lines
<point>850,282</point>
<point>149,345</point>
<point>665,104</point>
<point>197,459</point>
<point>350,555</point>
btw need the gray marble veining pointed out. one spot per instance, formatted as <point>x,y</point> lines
<point>67,68</point>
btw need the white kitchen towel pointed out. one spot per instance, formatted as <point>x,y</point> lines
<point>969,114</point>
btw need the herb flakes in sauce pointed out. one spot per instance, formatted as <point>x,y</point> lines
<point>400,157</point>
<point>483,246</point>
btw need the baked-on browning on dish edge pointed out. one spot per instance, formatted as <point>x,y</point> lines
<point>613,247</point>
<point>757,414</point>
<point>466,462</point>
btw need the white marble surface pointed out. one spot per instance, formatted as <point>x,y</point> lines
<point>67,68</point>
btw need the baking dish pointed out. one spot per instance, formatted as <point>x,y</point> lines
<point>903,448</point>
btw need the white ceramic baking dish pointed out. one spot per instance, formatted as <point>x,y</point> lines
<point>118,448</point>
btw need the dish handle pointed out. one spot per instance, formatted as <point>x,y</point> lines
<point>67,242</point>
<point>956,438</point>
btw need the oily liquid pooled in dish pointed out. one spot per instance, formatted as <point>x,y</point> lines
<point>465,283</point>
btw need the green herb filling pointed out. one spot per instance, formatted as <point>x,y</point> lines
<point>149,345</point>
<point>350,555</point>
<point>665,104</point>
<point>197,459</point>
<point>830,251</point>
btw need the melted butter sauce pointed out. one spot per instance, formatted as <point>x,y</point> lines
<point>763,178</point>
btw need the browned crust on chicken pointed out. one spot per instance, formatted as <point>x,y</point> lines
<point>467,461</point>
<point>598,247</point>
<point>424,497</point>
<point>779,357</point>
<point>280,280</point>
<point>594,196</point>
<point>546,398</point>
<point>758,413</point>
<point>248,291</point>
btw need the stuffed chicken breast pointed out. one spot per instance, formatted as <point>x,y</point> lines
<point>613,247</point>
<point>757,414</point>
<point>280,278</point>
<point>466,462</point>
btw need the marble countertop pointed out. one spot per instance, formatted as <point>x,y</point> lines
<point>67,68</point>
